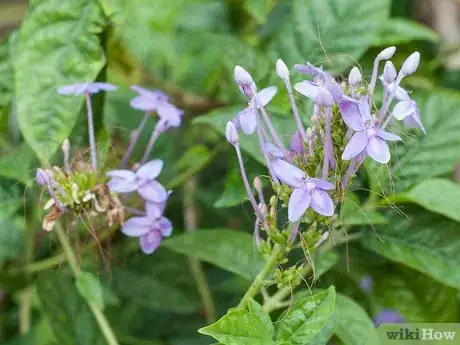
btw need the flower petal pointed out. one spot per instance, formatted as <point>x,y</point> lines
<point>403,109</point>
<point>288,173</point>
<point>335,90</point>
<point>248,120</point>
<point>153,191</point>
<point>119,185</point>
<point>73,89</point>
<point>415,121</point>
<point>166,227</point>
<point>273,150</point>
<point>378,150</point>
<point>170,113</point>
<point>364,108</point>
<point>143,103</point>
<point>150,241</point>
<point>322,203</point>
<point>155,210</point>
<point>296,144</point>
<point>355,146</point>
<point>105,86</point>
<point>387,135</point>
<point>266,95</point>
<point>321,183</point>
<point>124,174</point>
<point>136,226</point>
<point>150,170</point>
<point>307,88</point>
<point>350,114</point>
<point>298,203</point>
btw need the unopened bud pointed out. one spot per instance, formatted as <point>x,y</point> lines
<point>263,209</point>
<point>354,78</point>
<point>410,65</point>
<point>42,177</point>
<point>387,53</point>
<point>231,133</point>
<point>282,70</point>
<point>389,72</point>
<point>242,77</point>
<point>258,183</point>
<point>66,146</point>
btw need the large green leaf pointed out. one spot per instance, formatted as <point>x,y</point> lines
<point>58,44</point>
<point>6,71</point>
<point>425,242</point>
<point>285,127</point>
<point>257,310</point>
<point>239,327</point>
<point>400,30</point>
<point>354,326</point>
<point>17,169</point>
<point>309,322</point>
<point>351,213</point>
<point>437,195</point>
<point>231,250</point>
<point>66,311</point>
<point>423,157</point>
<point>332,31</point>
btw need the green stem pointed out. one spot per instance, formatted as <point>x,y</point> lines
<point>25,307</point>
<point>107,331</point>
<point>259,281</point>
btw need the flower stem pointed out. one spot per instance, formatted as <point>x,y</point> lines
<point>92,137</point>
<point>72,259</point>
<point>196,268</point>
<point>295,111</point>
<point>133,140</point>
<point>152,140</point>
<point>259,281</point>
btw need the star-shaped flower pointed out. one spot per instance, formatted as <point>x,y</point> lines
<point>82,88</point>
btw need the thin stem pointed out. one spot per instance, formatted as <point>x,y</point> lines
<point>386,105</point>
<point>328,151</point>
<point>370,90</point>
<point>72,259</point>
<point>259,281</point>
<point>350,171</point>
<point>196,268</point>
<point>134,137</point>
<point>295,111</point>
<point>262,149</point>
<point>152,140</point>
<point>92,137</point>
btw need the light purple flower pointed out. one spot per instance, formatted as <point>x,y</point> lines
<point>170,115</point>
<point>80,89</point>
<point>408,111</point>
<point>321,78</point>
<point>148,100</point>
<point>296,145</point>
<point>368,137</point>
<point>308,192</point>
<point>143,180</point>
<point>365,284</point>
<point>247,118</point>
<point>388,316</point>
<point>150,229</point>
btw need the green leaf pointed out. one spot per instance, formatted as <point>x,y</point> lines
<point>354,326</point>
<point>17,169</point>
<point>284,126</point>
<point>425,242</point>
<point>436,195</point>
<point>324,261</point>
<point>239,327</point>
<point>231,250</point>
<point>319,31</point>
<point>256,310</point>
<point>66,311</point>
<point>194,156</point>
<point>352,213</point>
<point>400,31</point>
<point>11,238</point>
<point>90,288</point>
<point>6,71</point>
<point>309,322</point>
<point>421,158</point>
<point>61,38</point>
<point>259,9</point>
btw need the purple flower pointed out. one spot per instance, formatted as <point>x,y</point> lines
<point>296,145</point>
<point>318,94</point>
<point>247,119</point>
<point>170,116</point>
<point>368,137</point>
<point>308,192</point>
<point>366,283</point>
<point>148,100</point>
<point>143,180</point>
<point>388,316</point>
<point>80,89</point>
<point>408,111</point>
<point>150,229</point>
<point>401,93</point>
<point>322,78</point>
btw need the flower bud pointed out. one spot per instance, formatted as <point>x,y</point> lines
<point>386,54</point>
<point>66,146</point>
<point>389,72</point>
<point>231,134</point>
<point>242,77</point>
<point>263,209</point>
<point>42,177</point>
<point>282,70</point>
<point>258,183</point>
<point>410,65</point>
<point>354,78</point>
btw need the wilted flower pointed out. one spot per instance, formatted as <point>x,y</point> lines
<point>247,119</point>
<point>80,89</point>
<point>143,180</point>
<point>368,136</point>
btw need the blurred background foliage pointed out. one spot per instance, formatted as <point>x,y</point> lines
<point>189,48</point>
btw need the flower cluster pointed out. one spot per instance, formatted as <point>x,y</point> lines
<point>82,188</point>
<point>347,126</point>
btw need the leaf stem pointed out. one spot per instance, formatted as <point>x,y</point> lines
<point>259,281</point>
<point>104,325</point>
